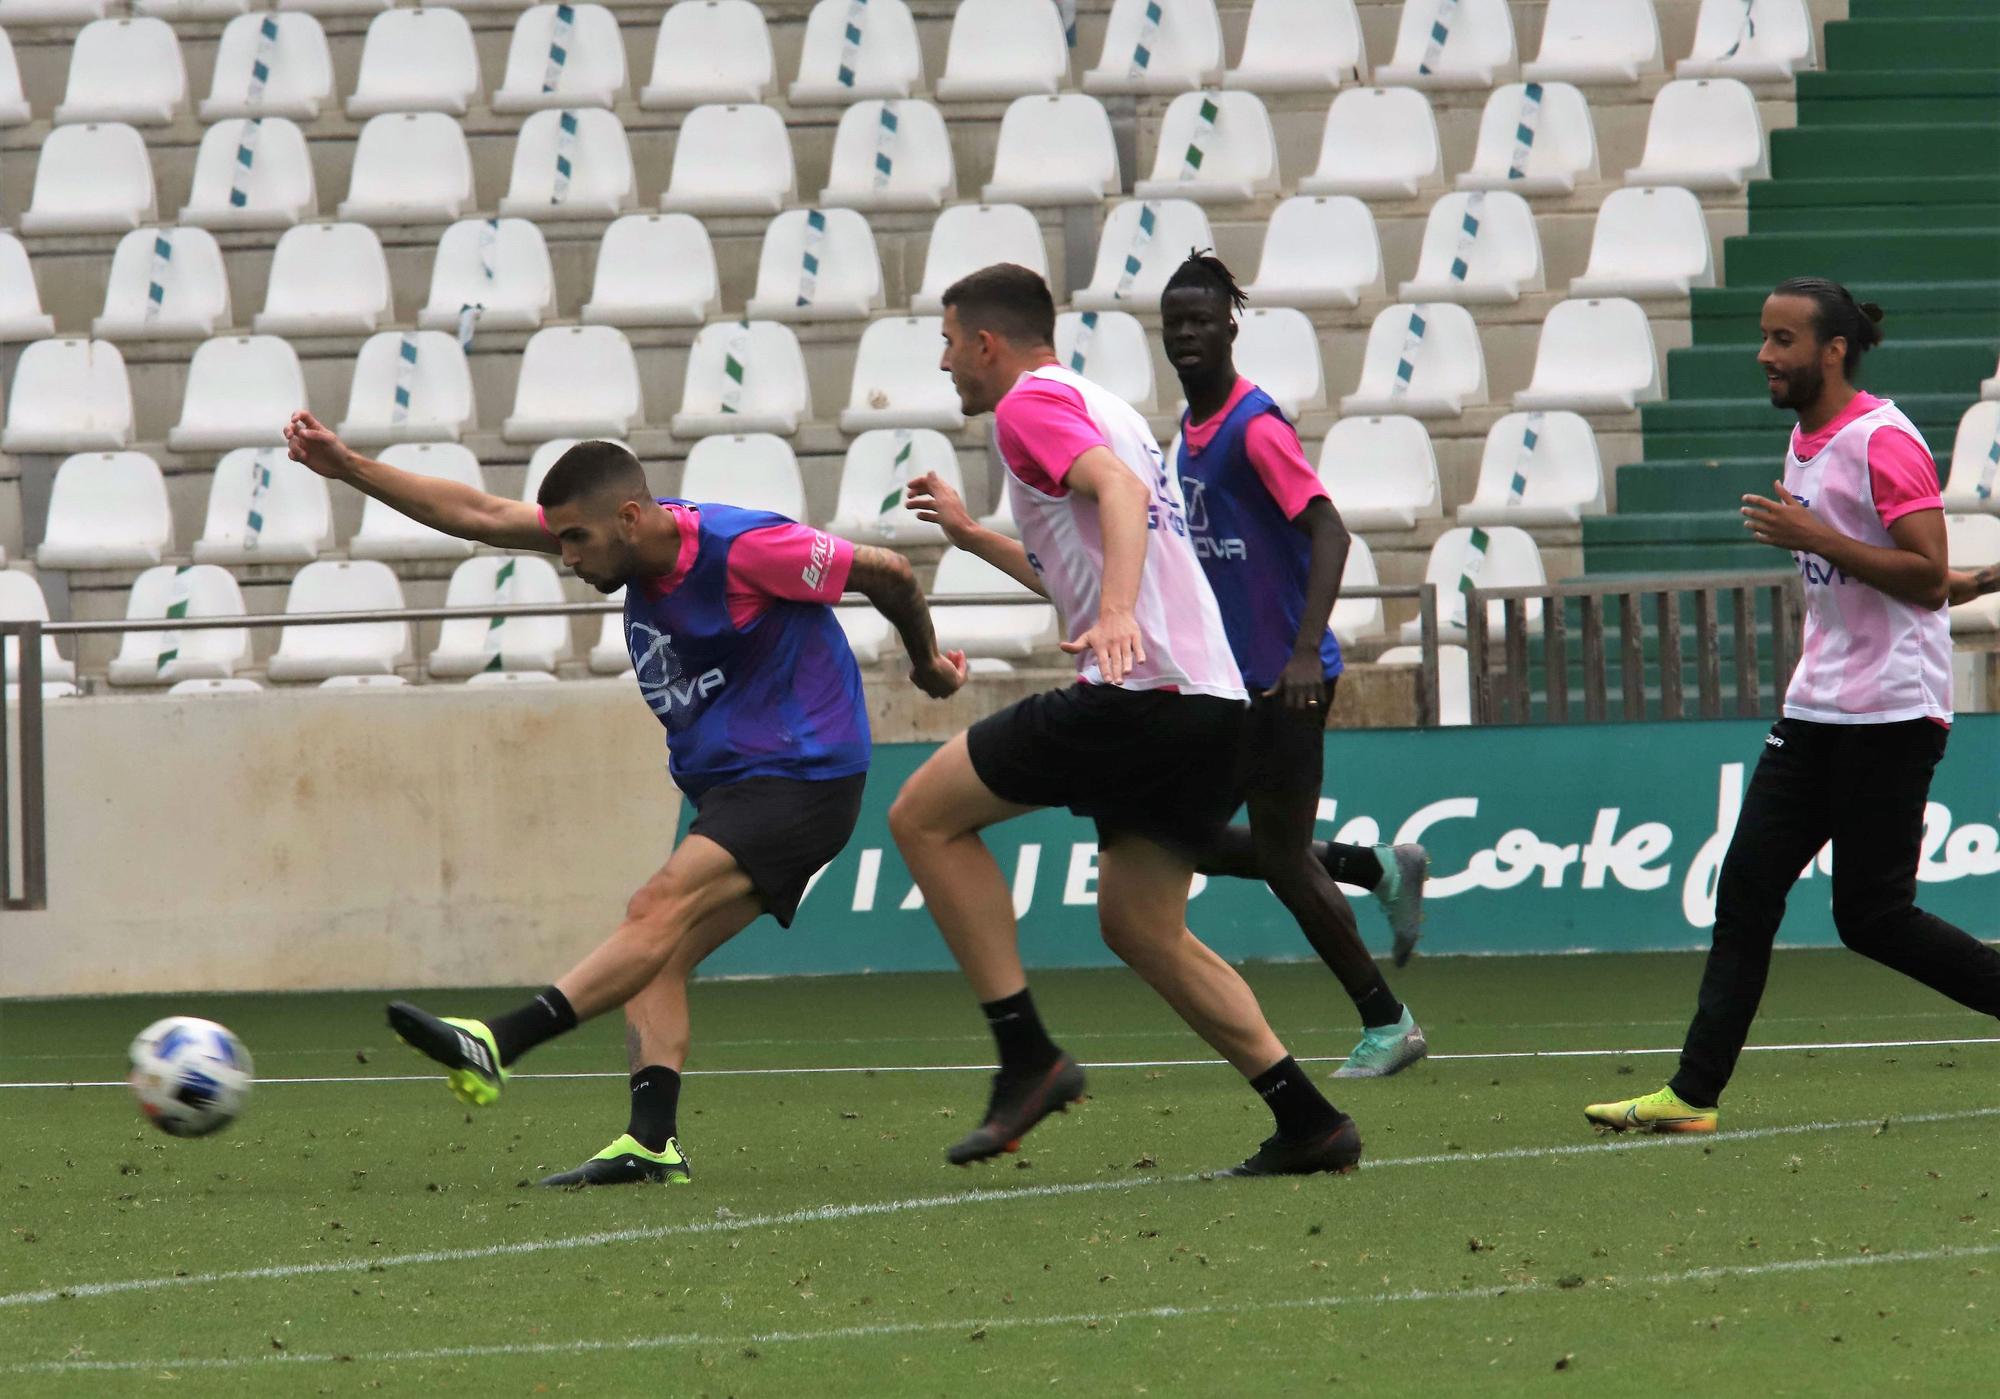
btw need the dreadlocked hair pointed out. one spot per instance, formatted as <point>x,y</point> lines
<point>1205,270</point>
<point>1837,313</point>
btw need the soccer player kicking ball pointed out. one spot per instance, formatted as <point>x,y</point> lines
<point>1866,715</point>
<point>1146,743</point>
<point>729,619</point>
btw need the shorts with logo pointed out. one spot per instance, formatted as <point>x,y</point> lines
<point>781,831</point>
<point>1152,763</point>
<point>1284,751</point>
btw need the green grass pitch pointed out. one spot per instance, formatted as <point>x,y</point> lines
<point>363,1234</point>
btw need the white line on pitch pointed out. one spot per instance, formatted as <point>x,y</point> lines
<point>628,1344</point>
<point>823,1213</point>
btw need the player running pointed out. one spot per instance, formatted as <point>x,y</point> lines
<point>728,616</point>
<point>1866,715</point>
<point>1145,744</point>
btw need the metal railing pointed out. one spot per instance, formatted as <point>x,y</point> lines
<point>1506,694</point>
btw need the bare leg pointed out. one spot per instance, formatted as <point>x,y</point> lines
<point>656,1019</point>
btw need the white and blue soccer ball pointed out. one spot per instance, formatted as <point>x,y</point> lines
<point>191,1076</point>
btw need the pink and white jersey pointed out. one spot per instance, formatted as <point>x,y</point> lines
<point>1046,421</point>
<point>1868,658</point>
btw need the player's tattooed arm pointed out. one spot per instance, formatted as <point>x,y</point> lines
<point>449,506</point>
<point>886,579</point>
<point>1965,586</point>
<point>936,503</point>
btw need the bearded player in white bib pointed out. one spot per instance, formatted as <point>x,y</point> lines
<point>1867,712</point>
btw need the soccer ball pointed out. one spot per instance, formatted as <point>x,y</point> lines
<point>191,1076</point>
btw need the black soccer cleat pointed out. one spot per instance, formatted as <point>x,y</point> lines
<point>1335,1151</point>
<point>627,1162</point>
<point>465,1047</point>
<point>1019,1101</point>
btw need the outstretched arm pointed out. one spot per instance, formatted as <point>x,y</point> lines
<point>886,579</point>
<point>449,506</point>
<point>936,503</point>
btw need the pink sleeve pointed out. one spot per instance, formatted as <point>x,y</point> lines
<point>1902,475</point>
<point>785,563</point>
<point>1274,450</point>
<point>1042,428</point>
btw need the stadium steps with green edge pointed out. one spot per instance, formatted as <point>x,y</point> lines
<point>1915,310</point>
<point>1970,201</point>
<point>1915,43</point>
<point>1691,429</point>
<point>1967,97</point>
<point>1891,370</point>
<point>1850,254</point>
<point>1901,10</point>
<point>1675,541</point>
<point>1926,148</point>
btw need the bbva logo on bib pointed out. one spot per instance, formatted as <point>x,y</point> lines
<point>661,681</point>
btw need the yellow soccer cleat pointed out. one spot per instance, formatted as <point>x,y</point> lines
<point>1656,1112</point>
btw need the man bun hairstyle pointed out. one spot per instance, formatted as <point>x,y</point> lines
<point>1008,300</point>
<point>1207,272</point>
<point>1837,314</point>
<point>592,469</point>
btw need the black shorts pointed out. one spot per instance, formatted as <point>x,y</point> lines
<point>1152,763</point>
<point>1283,750</point>
<point>781,830</point>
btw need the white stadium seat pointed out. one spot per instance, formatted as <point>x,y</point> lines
<point>470,646</point>
<point>1112,350</point>
<point>420,60</point>
<point>768,393</point>
<point>868,632</point>
<point>511,677</point>
<point>1595,356</point>
<point>1477,51</point>
<point>1761,41</point>
<point>1054,150</point>
<point>592,70</point>
<point>731,159</point>
<point>518,294</point>
<point>1561,474</point>
<point>94,178</point>
<point>1176,226</point>
<point>1230,133</point>
<point>817,265</point>
<point>1378,143</point>
<point>710,51</point>
<point>891,155</point>
<point>1446,374</point>
<point>1158,46</point>
<point>300,78</point>
<point>967,237</point>
<point>326,279</point>
<point>654,269</point>
<point>21,600</point>
<point>1703,134</point>
<point>1989,389</point>
<point>610,656</point>
<point>1975,462</point>
<point>430,365</point>
<point>1300,46</point>
<point>409,167</point>
<point>336,7</point>
<point>755,471</point>
<point>194,290</point>
<point>1001,49</point>
<point>576,381</point>
<point>241,391</point>
<point>1648,241</point>
<point>233,685</point>
<point>1319,251</point>
<point>1277,348</point>
<point>1478,247</point>
<point>1000,519</point>
<point>177,10</point>
<point>285,519</point>
<point>1454,676</point>
<point>68,396</point>
<point>1561,152</point>
<point>387,533</point>
<point>887,60</point>
<point>600,182</point>
<point>1972,542</point>
<point>107,510</point>
<point>1381,471</point>
<point>168,657</point>
<point>363,682</point>
<point>21,313</point>
<point>544,457</point>
<point>127,70</point>
<point>1597,41</point>
<point>14,107</point>
<point>23,13</point>
<point>879,464</point>
<point>277,191</point>
<point>1006,631</point>
<point>1357,618</point>
<point>354,648</point>
<point>1511,561</point>
<point>897,381</point>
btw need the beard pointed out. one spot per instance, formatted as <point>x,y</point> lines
<point>1799,389</point>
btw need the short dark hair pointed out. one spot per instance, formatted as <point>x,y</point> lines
<point>1204,271</point>
<point>592,469</point>
<point>1837,313</point>
<point>1011,301</point>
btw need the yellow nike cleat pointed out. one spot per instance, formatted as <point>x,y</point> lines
<point>1656,1112</point>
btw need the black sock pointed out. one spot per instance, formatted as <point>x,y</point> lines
<point>1349,864</point>
<point>1300,1108</point>
<point>1025,1047</point>
<point>656,1100</point>
<point>1378,1006</point>
<point>543,1018</point>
